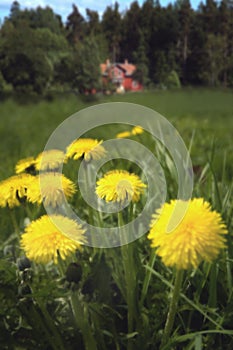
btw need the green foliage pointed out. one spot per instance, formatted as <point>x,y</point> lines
<point>2,83</point>
<point>197,44</point>
<point>141,60</point>
<point>93,22</point>
<point>24,66</point>
<point>75,26</point>
<point>86,67</point>
<point>215,61</point>
<point>64,69</point>
<point>36,18</point>
<point>172,80</point>
<point>111,27</point>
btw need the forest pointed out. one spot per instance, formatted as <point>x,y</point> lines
<point>170,46</point>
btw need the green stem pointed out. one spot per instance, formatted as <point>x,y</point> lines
<point>130,283</point>
<point>42,326</point>
<point>147,277</point>
<point>173,307</point>
<point>37,316</point>
<point>91,214</point>
<point>80,313</point>
<point>14,222</point>
<point>49,323</point>
<point>229,275</point>
<point>61,266</point>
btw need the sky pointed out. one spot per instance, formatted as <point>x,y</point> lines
<point>64,7</point>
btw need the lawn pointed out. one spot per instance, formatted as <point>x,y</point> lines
<point>118,298</point>
<point>207,114</point>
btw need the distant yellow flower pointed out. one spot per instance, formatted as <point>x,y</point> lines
<point>137,130</point>
<point>123,134</point>
<point>50,160</point>
<point>119,185</point>
<point>26,165</point>
<point>48,237</point>
<point>198,237</point>
<point>14,190</point>
<point>50,186</point>
<point>87,148</point>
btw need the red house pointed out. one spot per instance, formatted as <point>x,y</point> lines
<point>120,74</point>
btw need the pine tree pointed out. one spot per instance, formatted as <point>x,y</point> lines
<point>75,26</point>
<point>111,26</point>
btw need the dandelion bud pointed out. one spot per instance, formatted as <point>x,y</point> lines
<point>23,263</point>
<point>23,290</point>
<point>74,273</point>
<point>8,250</point>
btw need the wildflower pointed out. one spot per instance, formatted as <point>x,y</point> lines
<point>87,148</point>
<point>26,165</point>
<point>119,185</point>
<point>199,236</point>
<point>137,130</point>
<point>123,134</point>
<point>14,190</point>
<point>50,187</point>
<point>48,237</point>
<point>50,160</point>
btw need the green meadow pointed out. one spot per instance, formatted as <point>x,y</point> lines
<point>121,297</point>
<point>205,116</point>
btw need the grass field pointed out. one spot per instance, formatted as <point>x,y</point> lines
<point>118,299</point>
<point>24,129</point>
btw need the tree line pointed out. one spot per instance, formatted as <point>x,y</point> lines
<point>38,51</point>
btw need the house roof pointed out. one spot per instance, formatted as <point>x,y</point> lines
<point>127,67</point>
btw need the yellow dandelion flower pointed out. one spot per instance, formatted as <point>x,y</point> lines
<point>87,148</point>
<point>119,185</point>
<point>50,187</point>
<point>50,160</point>
<point>123,134</point>
<point>14,190</point>
<point>26,165</point>
<point>198,237</point>
<point>137,130</point>
<point>48,237</point>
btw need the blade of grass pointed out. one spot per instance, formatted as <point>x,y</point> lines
<point>190,302</point>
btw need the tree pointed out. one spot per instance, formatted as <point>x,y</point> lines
<point>215,48</point>
<point>185,22</point>
<point>131,32</point>
<point>15,11</point>
<point>162,53</point>
<point>93,23</point>
<point>141,61</point>
<point>75,26</point>
<point>146,18</point>
<point>111,26</point>
<point>210,16</point>
<point>64,70</point>
<point>225,21</point>
<point>46,18</point>
<point>86,67</point>
<point>36,18</point>
<point>23,63</point>
<point>53,45</point>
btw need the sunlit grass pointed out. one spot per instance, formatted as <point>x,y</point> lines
<point>207,113</point>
